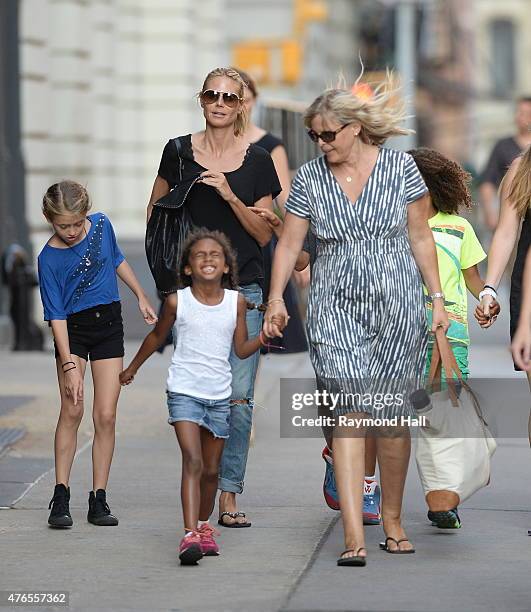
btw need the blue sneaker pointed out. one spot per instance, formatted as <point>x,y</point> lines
<point>448,519</point>
<point>329,485</point>
<point>371,503</point>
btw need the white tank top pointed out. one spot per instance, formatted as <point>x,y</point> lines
<point>203,339</point>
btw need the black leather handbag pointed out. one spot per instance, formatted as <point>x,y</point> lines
<point>169,225</point>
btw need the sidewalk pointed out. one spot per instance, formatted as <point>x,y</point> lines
<point>484,566</point>
<point>286,560</point>
<point>135,566</point>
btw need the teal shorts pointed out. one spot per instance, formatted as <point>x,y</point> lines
<point>460,352</point>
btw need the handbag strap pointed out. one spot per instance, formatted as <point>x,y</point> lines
<point>443,357</point>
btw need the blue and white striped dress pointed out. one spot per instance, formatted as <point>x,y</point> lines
<point>366,316</point>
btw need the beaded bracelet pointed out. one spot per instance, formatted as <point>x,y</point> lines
<point>488,291</point>
<point>491,287</point>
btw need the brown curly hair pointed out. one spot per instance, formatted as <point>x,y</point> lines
<point>229,280</point>
<point>447,182</point>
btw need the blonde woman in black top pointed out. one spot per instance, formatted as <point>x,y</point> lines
<point>235,176</point>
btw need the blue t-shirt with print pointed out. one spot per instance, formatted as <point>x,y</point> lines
<point>75,278</point>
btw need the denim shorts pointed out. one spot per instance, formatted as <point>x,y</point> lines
<point>213,415</point>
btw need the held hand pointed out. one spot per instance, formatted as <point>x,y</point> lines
<point>521,347</point>
<point>486,321</point>
<point>483,312</point>
<point>127,377</point>
<point>439,317</point>
<point>147,310</point>
<point>219,181</point>
<point>275,320</point>
<point>272,219</point>
<point>74,385</point>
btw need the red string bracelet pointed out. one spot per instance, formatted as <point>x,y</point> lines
<point>264,343</point>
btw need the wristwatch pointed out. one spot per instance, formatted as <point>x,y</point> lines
<point>434,296</point>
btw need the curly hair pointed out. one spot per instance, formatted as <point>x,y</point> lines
<point>447,182</point>
<point>229,280</point>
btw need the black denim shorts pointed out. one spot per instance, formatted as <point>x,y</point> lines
<point>96,333</point>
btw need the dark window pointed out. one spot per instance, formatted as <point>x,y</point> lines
<point>502,61</point>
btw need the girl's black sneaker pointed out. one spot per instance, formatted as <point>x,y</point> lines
<point>59,504</point>
<point>99,512</point>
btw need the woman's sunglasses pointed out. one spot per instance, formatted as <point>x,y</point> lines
<point>326,136</point>
<point>210,96</point>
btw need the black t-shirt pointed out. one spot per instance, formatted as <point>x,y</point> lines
<point>503,154</point>
<point>269,142</point>
<point>254,179</point>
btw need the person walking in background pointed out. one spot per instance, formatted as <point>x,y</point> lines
<point>458,253</point>
<point>235,175</point>
<point>366,315</point>
<point>501,157</point>
<point>294,340</point>
<point>77,280</point>
<point>208,314</point>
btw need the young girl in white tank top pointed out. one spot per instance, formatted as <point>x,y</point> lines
<point>207,316</point>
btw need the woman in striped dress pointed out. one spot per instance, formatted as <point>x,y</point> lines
<point>367,327</point>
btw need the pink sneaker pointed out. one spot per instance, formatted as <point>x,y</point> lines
<point>190,549</point>
<point>209,548</point>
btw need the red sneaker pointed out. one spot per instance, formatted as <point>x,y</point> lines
<point>190,549</point>
<point>329,485</point>
<point>209,548</point>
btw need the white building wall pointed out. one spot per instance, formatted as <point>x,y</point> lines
<point>105,83</point>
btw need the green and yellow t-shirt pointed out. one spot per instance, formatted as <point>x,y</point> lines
<point>457,249</point>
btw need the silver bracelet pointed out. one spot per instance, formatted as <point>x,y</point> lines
<point>436,295</point>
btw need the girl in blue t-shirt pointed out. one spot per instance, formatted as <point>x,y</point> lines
<point>77,276</point>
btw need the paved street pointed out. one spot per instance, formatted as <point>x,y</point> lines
<point>286,561</point>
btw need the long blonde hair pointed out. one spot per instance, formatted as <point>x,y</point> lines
<point>519,189</point>
<point>242,119</point>
<point>66,197</point>
<point>380,116</point>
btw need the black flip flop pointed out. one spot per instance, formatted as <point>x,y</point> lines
<point>355,561</point>
<point>396,551</point>
<point>233,515</point>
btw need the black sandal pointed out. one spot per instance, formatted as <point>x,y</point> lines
<point>355,560</point>
<point>233,515</point>
<point>396,551</point>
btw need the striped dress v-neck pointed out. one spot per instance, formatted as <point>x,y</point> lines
<point>366,317</point>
